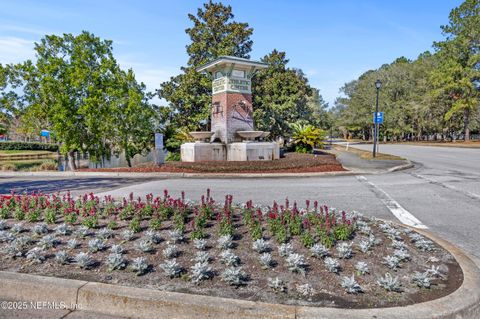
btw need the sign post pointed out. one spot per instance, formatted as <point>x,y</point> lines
<point>159,152</point>
<point>377,119</point>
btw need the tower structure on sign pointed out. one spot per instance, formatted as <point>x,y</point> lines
<point>231,108</point>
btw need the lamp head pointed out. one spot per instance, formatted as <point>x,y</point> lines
<point>378,84</point>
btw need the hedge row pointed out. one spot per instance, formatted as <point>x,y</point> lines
<point>28,146</point>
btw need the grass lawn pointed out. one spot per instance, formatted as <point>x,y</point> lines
<point>469,144</point>
<point>367,154</point>
<point>23,152</point>
<point>24,165</point>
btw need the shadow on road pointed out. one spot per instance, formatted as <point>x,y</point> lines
<point>77,185</point>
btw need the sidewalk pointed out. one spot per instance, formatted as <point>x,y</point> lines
<point>353,162</point>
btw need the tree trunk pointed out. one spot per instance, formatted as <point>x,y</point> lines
<point>466,122</point>
<point>71,161</point>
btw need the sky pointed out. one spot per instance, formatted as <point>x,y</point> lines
<point>333,42</point>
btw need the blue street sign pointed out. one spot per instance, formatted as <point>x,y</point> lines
<point>378,118</point>
<point>45,133</point>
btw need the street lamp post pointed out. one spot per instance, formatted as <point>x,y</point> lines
<point>378,85</point>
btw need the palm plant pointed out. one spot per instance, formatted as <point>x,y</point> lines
<point>306,137</point>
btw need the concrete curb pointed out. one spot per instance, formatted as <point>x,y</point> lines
<point>402,167</point>
<point>350,171</point>
<point>25,287</point>
<point>172,175</point>
<point>147,303</point>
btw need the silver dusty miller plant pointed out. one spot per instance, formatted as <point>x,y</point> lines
<point>296,263</point>
<point>200,243</point>
<point>95,245</point>
<point>425,245</point>
<point>229,258</point>
<point>144,245</point>
<point>35,255</point>
<point>261,246</point>
<point>63,229</point>
<point>422,279</point>
<point>153,236</point>
<point>200,271</point>
<point>16,228</point>
<point>116,249</point>
<point>344,250</point>
<point>84,260</point>
<point>305,290</point>
<point>170,251</point>
<point>3,224</point>
<point>48,241</point>
<point>128,234</point>
<point>81,232</point>
<point>40,229</point>
<point>389,283</point>
<point>398,244</point>
<point>401,254</point>
<point>435,272</point>
<point>115,261</point>
<point>73,243</point>
<point>176,236</point>
<point>362,268</point>
<point>285,249</point>
<point>391,262</point>
<point>351,285</point>
<point>16,247</point>
<point>277,284</point>
<point>171,268</point>
<point>104,233</point>
<point>6,236</point>
<point>224,242</point>
<point>332,264</point>
<point>364,245</point>
<point>202,257</point>
<point>415,237</point>
<point>62,257</point>
<point>319,251</point>
<point>139,265</point>
<point>266,260</point>
<point>234,276</point>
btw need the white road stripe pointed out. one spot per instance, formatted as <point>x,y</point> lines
<point>395,208</point>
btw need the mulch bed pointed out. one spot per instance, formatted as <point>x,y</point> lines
<point>327,285</point>
<point>291,163</point>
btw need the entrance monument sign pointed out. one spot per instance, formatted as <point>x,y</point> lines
<point>232,123</point>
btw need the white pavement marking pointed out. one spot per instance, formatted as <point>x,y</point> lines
<point>432,181</point>
<point>395,208</point>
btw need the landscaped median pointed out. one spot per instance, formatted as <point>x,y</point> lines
<point>204,259</point>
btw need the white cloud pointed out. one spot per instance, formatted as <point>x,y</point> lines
<point>23,29</point>
<point>15,50</point>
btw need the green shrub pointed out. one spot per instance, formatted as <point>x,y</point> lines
<point>9,167</point>
<point>306,137</point>
<point>48,166</point>
<point>173,157</point>
<point>28,146</point>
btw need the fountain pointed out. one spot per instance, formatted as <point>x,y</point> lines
<point>232,136</point>
<point>200,137</point>
<point>249,136</point>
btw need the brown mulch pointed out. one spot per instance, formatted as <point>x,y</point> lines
<point>329,292</point>
<point>291,163</point>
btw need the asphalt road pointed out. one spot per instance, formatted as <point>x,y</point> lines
<point>441,193</point>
